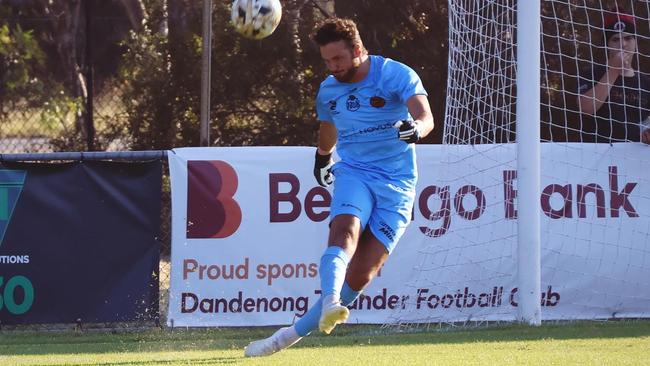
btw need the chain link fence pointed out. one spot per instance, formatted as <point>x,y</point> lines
<point>62,89</point>
<point>61,84</point>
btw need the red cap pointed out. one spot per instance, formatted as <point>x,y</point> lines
<point>619,22</point>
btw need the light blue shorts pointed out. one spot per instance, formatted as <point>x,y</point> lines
<point>383,204</point>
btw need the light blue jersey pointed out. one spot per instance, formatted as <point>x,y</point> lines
<point>364,114</point>
<point>375,179</point>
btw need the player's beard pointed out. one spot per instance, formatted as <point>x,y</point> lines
<point>348,75</point>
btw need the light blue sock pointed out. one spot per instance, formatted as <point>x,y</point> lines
<point>333,265</point>
<point>309,321</point>
<point>348,295</point>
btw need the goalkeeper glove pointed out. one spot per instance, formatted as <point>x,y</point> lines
<point>408,131</point>
<point>323,169</point>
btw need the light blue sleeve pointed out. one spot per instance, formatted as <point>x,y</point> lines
<point>322,109</point>
<point>406,82</point>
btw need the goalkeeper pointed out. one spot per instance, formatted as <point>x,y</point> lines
<point>373,109</point>
<point>617,94</point>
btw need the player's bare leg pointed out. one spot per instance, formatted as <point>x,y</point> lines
<point>368,259</point>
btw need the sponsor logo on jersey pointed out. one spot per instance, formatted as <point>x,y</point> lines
<point>353,103</point>
<point>377,102</point>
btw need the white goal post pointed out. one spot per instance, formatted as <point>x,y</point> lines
<point>485,107</point>
<point>528,161</point>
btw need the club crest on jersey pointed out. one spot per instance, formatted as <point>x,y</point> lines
<point>332,106</point>
<point>353,103</point>
<point>377,102</point>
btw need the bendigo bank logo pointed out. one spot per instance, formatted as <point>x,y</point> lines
<point>212,212</point>
<point>11,185</point>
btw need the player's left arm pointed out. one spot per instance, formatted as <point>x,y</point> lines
<point>418,106</point>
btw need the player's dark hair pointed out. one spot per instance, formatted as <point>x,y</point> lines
<point>337,29</point>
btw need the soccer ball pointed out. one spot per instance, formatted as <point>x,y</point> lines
<point>256,19</point>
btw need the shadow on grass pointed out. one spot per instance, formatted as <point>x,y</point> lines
<point>236,338</point>
<point>187,361</point>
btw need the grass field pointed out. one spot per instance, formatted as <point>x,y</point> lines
<point>580,343</point>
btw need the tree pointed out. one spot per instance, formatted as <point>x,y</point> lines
<point>20,59</point>
<point>49,50</point>
<point>262,91</point>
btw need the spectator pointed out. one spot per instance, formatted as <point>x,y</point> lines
<point>617,94</point>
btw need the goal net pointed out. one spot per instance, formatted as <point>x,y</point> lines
<point>594,199</point>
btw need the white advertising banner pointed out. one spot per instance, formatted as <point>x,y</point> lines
<point>249,226</point>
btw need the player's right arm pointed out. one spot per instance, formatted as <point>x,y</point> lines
<point>591,100</point>
<point>323,162</point>
<point>326,137</point>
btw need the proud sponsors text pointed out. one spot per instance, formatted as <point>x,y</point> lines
<point>268,272</point>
